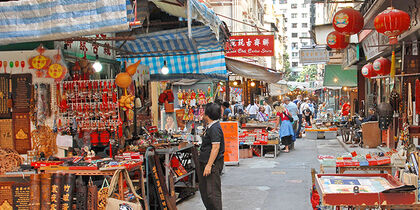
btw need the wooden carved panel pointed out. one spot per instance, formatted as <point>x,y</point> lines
<point>22,132</point>
<point>6,196</point>
<point>5,94</point>
<point>21,196</point>
<point>6,134</point>
<point>21,92</point>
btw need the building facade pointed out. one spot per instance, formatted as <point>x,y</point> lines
<point>299,16</point>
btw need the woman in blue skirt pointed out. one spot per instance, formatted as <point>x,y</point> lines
<point>286,126</point>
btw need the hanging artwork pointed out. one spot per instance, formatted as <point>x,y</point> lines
<point>5,94</point>
<point>56,70</point>
<point>6,134</point>
<point>40,62</point>
<point>348,21</point>
<point>368,71</point>
<point>336,40</point>
<point>44,141</point>
<point>392,22</point>
<point>22,132</point>
<point>22,96</point>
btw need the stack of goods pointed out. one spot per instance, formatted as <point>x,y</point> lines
<point>10,160</point>
<point>253,137</point>
<point>353,159</point>
<point>93,104</point>
<point>82,163</point>
<point>55,191</point>
<point>194,97</point>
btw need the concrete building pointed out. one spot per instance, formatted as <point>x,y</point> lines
<point>300,16</point>
<point>277,24</point>
<point>247,17</point>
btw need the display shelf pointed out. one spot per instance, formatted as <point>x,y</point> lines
<point>338,190</point>
<point>183,176</point>
<point>174,149</point>
<point>83,172</point>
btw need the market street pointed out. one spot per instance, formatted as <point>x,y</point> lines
<point>270,184</point>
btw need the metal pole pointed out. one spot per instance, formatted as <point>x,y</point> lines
<point>189,18</point>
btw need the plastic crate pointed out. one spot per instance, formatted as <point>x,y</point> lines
<point>330,134</point>
<point>312,135</point>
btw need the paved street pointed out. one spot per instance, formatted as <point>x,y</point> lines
<point>271,184</point>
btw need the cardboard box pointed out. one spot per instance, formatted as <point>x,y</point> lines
<point>273,141</point>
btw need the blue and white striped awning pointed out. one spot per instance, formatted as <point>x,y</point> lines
<point>173,42</point>
<point>41,20</point>
<point>199,12</point>
<point>203,54</point>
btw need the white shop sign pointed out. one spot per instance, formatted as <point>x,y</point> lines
<point>313,56</point>
<point>374,39</point>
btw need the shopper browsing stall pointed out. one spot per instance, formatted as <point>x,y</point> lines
<point>211,158</point>
<point>293,110</point>
<point>252,110</point>
<point>267,109</point>
<point>261,116</point>
<point>298,102</point>
<point>345,110</point>
<point>227,111</point>
<point>284,119</point>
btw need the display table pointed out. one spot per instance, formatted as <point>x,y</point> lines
<point>187,156</point>
<point>320,134</point>
<point>381,169</point>
<point>363,190</point>
<point>262,146</point>
<point>341,170</point>
<point>106,172</point>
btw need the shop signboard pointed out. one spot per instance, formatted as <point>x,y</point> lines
<point>313,56</point>
<point>250,46</point>
<point>231,134</point>
<point>374,44</point>
<point>351,56</point>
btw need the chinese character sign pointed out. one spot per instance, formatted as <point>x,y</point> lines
<point>256,45</point>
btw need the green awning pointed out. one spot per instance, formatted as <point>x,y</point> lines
<point>335,76</point>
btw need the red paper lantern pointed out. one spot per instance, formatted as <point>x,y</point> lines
<point>392,22</point>
<point>382,66</point>
<point>367,71</point>
<point>337,41</point>
<point>348,21</point>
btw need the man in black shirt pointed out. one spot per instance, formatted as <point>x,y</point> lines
<point>211,158</point>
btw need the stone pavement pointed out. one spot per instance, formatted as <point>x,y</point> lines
<point>272,184</point>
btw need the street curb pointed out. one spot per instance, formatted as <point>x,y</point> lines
<point>343,144</point>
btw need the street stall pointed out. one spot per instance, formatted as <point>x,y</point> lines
<point>364,190</point>
<point>80,127</point>
<point>181,85</point>
<point>259,139</point>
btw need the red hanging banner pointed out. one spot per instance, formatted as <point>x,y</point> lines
<point>255,45</point>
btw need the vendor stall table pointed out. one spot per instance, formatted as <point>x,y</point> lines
<point>381,169</point>
<point>276,148</point>
<point>363,190</point>
<point>341,170</point>
<point>168,152</point>
<point>107,172</point>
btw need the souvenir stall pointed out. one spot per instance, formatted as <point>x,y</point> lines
<point>180,87</point>
<point>390,89</point>
<point>60,120</point>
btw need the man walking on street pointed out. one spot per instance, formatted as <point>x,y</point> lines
<point>298,102</point>
<point>293,110</point>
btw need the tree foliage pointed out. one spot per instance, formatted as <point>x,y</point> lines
<point>288,74</point>
<point>310,70</point>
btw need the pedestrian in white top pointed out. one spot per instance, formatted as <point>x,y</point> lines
<point>267,108</point>
<point>252,110</point>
